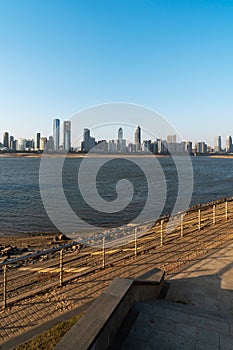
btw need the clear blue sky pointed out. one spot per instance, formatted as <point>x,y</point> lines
<point>58,57</point>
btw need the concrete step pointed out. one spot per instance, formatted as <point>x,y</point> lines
<point>167,325</point>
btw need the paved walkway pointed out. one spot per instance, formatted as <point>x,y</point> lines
<point>32,316</point>
<point>197,312</point>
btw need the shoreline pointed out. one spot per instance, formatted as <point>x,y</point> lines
<point>106,155</point>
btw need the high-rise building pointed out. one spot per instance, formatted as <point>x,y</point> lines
<point>37,141</point>
<point>218,144</point>
<point>229,148</point>
<point>21,144</point>
<point>112,146</point>
<point>201,148</point>
<point>12,143</point>
<point>43,143</point>
<point>56,134</point>
<point>137,138</point>
<point>146,146</point>
<point>171,138</point>
<point>50,144</point>
<point>120,134</point>
<point>188,147</point>
<point>67,135</point>
<point>120,142</point>
<point>29,144</point>
<point>6,139</point>
<point>88,142</point>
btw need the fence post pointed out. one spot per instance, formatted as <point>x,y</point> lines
<point>214,214</point>
<point>103,252</point>
<point>199,219</point>
<point>161,232</point>
<point>182,226</point>
<point>4,286</point>
<point>135,242</point>
<point>61,267</point>
<point>226,210</point>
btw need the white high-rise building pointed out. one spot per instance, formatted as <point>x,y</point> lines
<point>67,135</point>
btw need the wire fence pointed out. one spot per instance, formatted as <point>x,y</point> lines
<point>31,274</point>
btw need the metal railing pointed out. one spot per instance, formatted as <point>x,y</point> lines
<point>66,262</point>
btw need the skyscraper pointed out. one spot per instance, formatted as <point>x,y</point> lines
<point>37,141</point>
<point>218,144</point>
<point>88,142</point>
<point>120,134</point>
<point>229,144</point>
<point>137,136</point>
<point>6,139</point>
<point>56,134</point>
<point>67,135</point>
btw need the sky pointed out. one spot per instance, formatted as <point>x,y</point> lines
<point>172,56</point>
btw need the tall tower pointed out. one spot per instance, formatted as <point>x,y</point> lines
<point>120,134</point>
<point>229,144</point>
<point>137,137</point>
<point>6,139</point>
<point>37,141</point>
<point>218,144</point>
<point>56,134</point>
<point>67,135</point>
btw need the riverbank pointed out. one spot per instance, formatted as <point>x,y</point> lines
<point>80,155</point>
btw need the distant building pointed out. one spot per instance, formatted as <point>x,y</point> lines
<point>189,147</point>
<point>21,144</point>
<point>50,144</point>
<point>29,144</point>
<point>56,134</point>
<point>171,139</point>
<point>112,146</point>
<point>102,146</point>
<point>137,138</point>
<point>218,144</point>
<point>146,146</point>
<point>120,142</point>
<point>162,146</point>
<point>154,147</point>
<point>120,134</point>
<point>131,147</point>
<point>67,135</point>
<point>12,143</point>
<point>88,141</point>
<point>201,148</point>
<point>229,148</point>
<point>43,143</point>
<point>6,139</point>
<point>37,141</point>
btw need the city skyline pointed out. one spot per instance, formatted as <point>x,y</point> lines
<point>137,144</point>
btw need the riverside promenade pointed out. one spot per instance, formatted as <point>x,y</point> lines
<point>197,311</point>
<point>27,318</point>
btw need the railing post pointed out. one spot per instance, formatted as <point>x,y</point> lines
<point>214,214</point>
<point>199,219</point>
<point>61,267</point>
<point>103,252</point>
<point>226,210</point>
<point>135,242</point>
<point>4,286</point>
<point>161,232</point>
<point>182,225</point>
